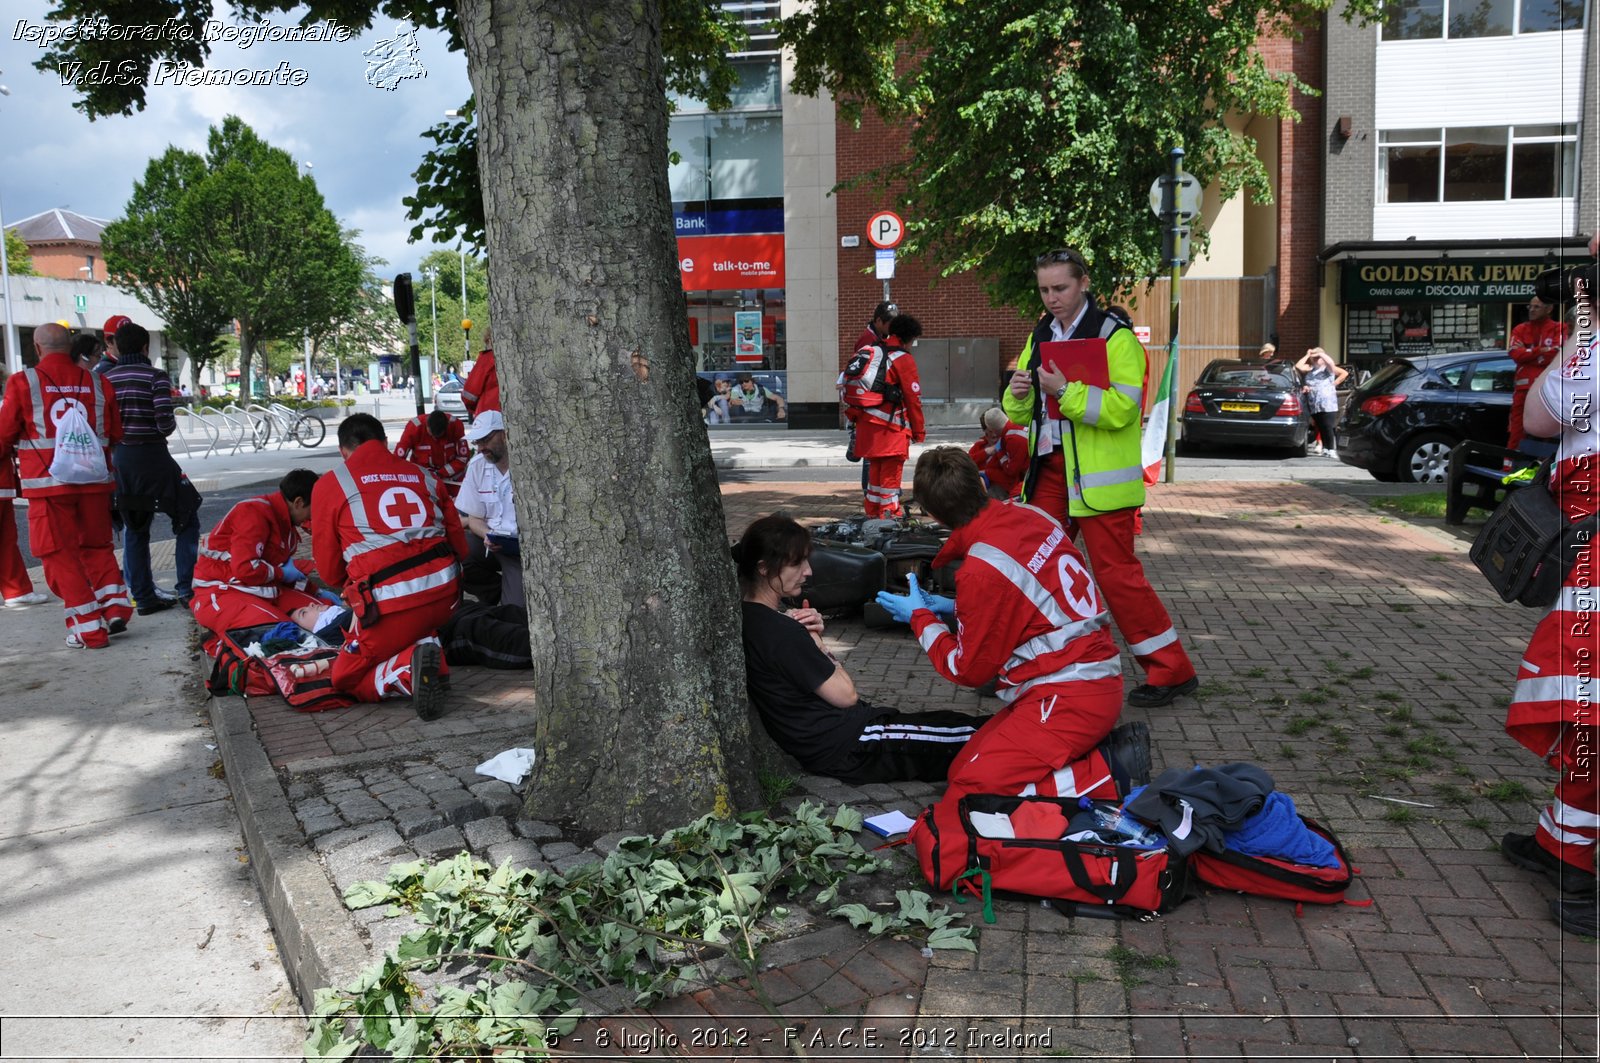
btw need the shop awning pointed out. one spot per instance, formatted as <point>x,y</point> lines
<point>1516,247</point>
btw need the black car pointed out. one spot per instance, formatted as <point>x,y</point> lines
<point>1251,403</point>
<point>1404,421</point>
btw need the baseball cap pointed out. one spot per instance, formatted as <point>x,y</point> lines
<point>484,424</point>
<point>114,322</point>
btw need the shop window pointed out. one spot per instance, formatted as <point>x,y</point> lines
<point>1413,20</point>
<point>1548,16</point>
<point>1409,159</point>
<point>1544,162</point>
<point>1474,165</point>
<point>1481,18</point>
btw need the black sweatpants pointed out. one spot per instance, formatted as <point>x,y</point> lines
<point>1325,422</point>
<point>903,746</point>
<point>491,636</point>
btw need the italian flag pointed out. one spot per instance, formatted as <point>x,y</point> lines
<point>1154,445</point>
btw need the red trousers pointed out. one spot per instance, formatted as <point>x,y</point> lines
<point>1035,745</point>
<point>376,662</point>
<point>883,486</point>
<point>221,610</point>
<point>1570,824</point>
<point>14,581</point>
<point>1135,607</point>
<point>70,534</point>
<point>1025,742</point>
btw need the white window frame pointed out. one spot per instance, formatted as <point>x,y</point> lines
<point>1516,24</point>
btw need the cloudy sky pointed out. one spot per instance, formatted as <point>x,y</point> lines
<point>362,141</point>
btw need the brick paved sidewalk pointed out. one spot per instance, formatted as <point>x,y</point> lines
<point>1357,658</point>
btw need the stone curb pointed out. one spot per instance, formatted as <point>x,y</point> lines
<point>316,940</point>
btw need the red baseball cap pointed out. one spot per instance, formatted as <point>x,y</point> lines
<point>114,322</point>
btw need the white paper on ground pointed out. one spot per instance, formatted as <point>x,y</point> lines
<point>890,823</point>
<point>512,766</point>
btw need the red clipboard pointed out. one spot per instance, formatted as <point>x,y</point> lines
<point>1083,360</point>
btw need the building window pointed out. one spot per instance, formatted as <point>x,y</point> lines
<point>1481,18</point>
<point>1421,20</point>
<point>1413,20</point>
<point>1475,164</point>
<point>1408,163</point>
<point>1544,161</point>
<point>1548,16</point>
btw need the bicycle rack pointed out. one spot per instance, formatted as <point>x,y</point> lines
<point>196,419</point>
<point>242,425</point>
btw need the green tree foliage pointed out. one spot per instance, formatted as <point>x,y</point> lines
<point>157,253</point>
<point>370,329</point>
<point>1037,124</point>
<point>445,295</point>
<point>19,259</point>
<point>277,252</point>
<point>234,236</point>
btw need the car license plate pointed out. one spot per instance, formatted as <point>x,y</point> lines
<point>1239,407</point>
<point>1343,439</point>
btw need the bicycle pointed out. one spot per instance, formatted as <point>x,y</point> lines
<point>288,424</point>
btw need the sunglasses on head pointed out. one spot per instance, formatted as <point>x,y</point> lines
<point>1065,254</point>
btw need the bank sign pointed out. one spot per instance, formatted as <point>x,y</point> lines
<point>1451,280</point>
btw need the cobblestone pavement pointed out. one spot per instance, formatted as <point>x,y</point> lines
<point>1359,659</point>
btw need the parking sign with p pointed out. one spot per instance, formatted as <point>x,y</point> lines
<point>885,229</point>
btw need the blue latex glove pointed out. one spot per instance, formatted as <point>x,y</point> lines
<point>941,607</point>
<point>291,574</point>
<point>898,606</point>
<point>333,599</point>
<point>901,606</point>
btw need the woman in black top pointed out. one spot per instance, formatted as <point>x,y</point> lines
<point>806,699</point>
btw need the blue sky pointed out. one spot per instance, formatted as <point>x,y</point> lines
<point>362,141</point>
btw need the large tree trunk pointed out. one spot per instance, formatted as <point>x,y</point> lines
<point>639,668</point>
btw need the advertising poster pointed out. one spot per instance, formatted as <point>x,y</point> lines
<point>740,397</point>
<point>747,338</point>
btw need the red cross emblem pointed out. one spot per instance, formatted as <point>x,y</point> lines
<point>401,508</point>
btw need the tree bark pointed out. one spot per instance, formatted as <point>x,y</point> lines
<point>633,610</point>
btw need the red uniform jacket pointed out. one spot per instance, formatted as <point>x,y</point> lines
<point>376,510</point>
<point>1534,344</point>
<point>248,549</point>
<point>1005,461</point>
<point>1027,609</point>
<point>481,392</point>
<point>8,476</point>
<point>34,401</point>
<point>445,457</point>
<point>889,430</point>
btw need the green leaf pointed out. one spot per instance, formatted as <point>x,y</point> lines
<point>950,937</point>
<point>366,894</point>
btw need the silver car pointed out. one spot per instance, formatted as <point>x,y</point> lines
<point>448,398</point>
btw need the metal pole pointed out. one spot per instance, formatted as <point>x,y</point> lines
<point>308,365</point>
<point>433,300</point>
<point>13,344</point>
<point>466,336</point>
<point>1176,230</point>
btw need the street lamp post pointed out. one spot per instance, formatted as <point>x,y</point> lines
<point>433,302</point>
<point>466,330</point>
<point>308,167</point>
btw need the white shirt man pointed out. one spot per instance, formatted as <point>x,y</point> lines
<point>485,502</point>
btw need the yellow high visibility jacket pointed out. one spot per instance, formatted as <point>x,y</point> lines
<point>1099,427</point>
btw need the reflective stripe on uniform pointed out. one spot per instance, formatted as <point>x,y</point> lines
<point>1091,405</point>
<point>1557,688</point>
<point>431,581</point>
<point>259,592</point>
<point>1154,643</point>
<point>1073,673</point>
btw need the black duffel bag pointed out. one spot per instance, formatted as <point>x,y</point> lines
<point>1527,546</point>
